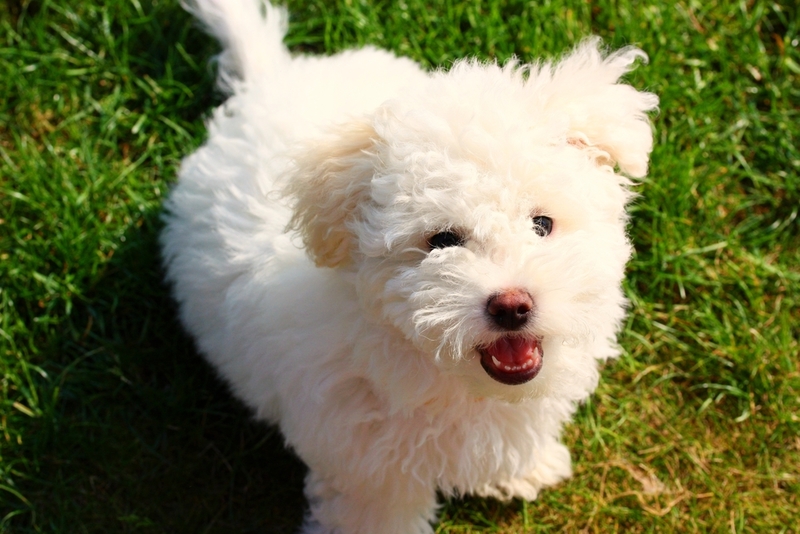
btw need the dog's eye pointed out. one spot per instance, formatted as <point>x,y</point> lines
<point>542,225</point>
<point>444,240</point>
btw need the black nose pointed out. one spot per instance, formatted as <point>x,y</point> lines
<point>511,309</point>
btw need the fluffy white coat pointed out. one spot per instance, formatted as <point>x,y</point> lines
<point>298,237</point>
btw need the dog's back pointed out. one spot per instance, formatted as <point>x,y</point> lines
<point>225,217</point>
<point>287,96</point>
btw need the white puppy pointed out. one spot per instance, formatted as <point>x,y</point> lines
<point>414,275</point>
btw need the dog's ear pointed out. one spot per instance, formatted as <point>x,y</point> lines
<point>606,116</point>
<point>330,179</point>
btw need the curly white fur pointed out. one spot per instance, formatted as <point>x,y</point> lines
<point>297,245</point>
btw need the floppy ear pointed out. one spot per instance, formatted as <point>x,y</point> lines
<point>606,116</point>
<point>331,179</point>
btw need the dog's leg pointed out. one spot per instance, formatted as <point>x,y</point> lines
<point>552,466</point>
<point>399,506</point>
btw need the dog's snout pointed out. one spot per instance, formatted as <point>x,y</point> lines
<point>510,309</point>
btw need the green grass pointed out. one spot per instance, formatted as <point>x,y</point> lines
<point>109,421</point>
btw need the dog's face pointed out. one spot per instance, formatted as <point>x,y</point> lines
<point>483,220</point>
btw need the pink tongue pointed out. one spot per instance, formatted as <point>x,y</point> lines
<point>513,351</point>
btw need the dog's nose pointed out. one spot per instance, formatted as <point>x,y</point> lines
<point>510,309</point>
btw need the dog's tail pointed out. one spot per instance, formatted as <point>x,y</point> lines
<point>251,33</point>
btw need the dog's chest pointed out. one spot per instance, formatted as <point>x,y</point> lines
<point>464,447</point>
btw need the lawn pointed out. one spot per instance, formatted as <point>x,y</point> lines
<point>110,421</point>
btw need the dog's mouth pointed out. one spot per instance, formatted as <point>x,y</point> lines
<point>512,360</point>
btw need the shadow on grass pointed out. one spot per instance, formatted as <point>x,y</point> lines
<point>144,437</point>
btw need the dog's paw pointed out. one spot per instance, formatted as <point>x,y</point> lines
<point>552,466</point>
<point>505,491</point>
<point>396,507</point>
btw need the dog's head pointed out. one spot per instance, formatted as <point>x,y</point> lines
<point>484,216</point>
